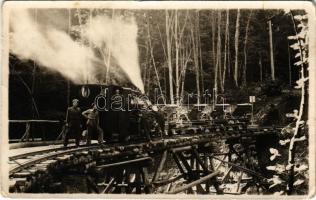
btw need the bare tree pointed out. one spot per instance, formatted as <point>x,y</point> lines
<point>213,25</point>
<point>169,58</point>
<point>153,60</point>
<point>236,48</point>
<point>217,74</point>
<point>195,56</point>
<point>177,55</point>
<point>226,50</point>
<point>244,74</point>
<point>271,50</point>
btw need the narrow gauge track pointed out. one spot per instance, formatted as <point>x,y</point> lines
<point>26,166</point>
<point>40,152</point>
<point>31,158</point>
<point>36,157</point>
<point>27,160</point>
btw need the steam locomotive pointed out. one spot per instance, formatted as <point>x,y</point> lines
<point>124,113</point>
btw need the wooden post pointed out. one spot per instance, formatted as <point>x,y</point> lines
<point>27,132</point>
<point>192,162</point>
<point>271,50</point>
<point>207,184</point>
<point>138,181</point>
<point>147,186</point>
<point>128,181</point>
<point>186,164</point>
<point>239,181</point>
<point>161,165</point>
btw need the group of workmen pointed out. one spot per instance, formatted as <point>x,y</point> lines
<point>73,126</point>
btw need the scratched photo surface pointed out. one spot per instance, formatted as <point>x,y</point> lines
<point>157,99</point>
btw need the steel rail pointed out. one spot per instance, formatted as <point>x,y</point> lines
<point>33,153</point>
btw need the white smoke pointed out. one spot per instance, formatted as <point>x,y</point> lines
<point>120,37</point>
<point>52,48</point>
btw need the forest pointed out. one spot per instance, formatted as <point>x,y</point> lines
<point>177,52</point>
<point>172,53</point>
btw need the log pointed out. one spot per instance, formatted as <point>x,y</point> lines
<point>241,168</point>
<point>180,149</point>
<point>194,183</point>
<point>167,181</point>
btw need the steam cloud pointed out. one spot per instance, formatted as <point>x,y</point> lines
<point>51,48</point>
<point>56,50</point>
<point>120,37</point>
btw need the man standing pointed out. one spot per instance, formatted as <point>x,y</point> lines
<point>73,122</point>
<point>93,127</point>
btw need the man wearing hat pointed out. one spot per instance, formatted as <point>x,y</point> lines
<point>73,122</point>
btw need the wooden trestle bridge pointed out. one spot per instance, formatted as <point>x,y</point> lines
<point>202,166</point>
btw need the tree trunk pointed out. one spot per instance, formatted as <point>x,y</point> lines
<point>169,57</point>
<point>271,51</point>
<point>226,49</point>
<point>195,59</point>
<point>213,40</point>
<point>236,48</point>
<point>186,56</point>
<point>200,53</point>
<point>177,56</point>
<point>260,65</point>
<point>153,61</point>
<point>244,74</point>
<point>217,74</point>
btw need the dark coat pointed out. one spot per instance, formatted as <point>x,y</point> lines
<point>73,117</point>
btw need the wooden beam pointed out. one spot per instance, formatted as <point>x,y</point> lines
<point>167,181</point>
<point>160,166</point>
<point>241,168</point>
<point>185,163</point>
<point>226,174</point>
<point>124,162</point>
<point>180,149</point>
<point>239,181</point>
<point>206,170</point>
<point>109,186</point>
<point>176,159</point>
<point>198,159</point>
<point>194,183</point>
